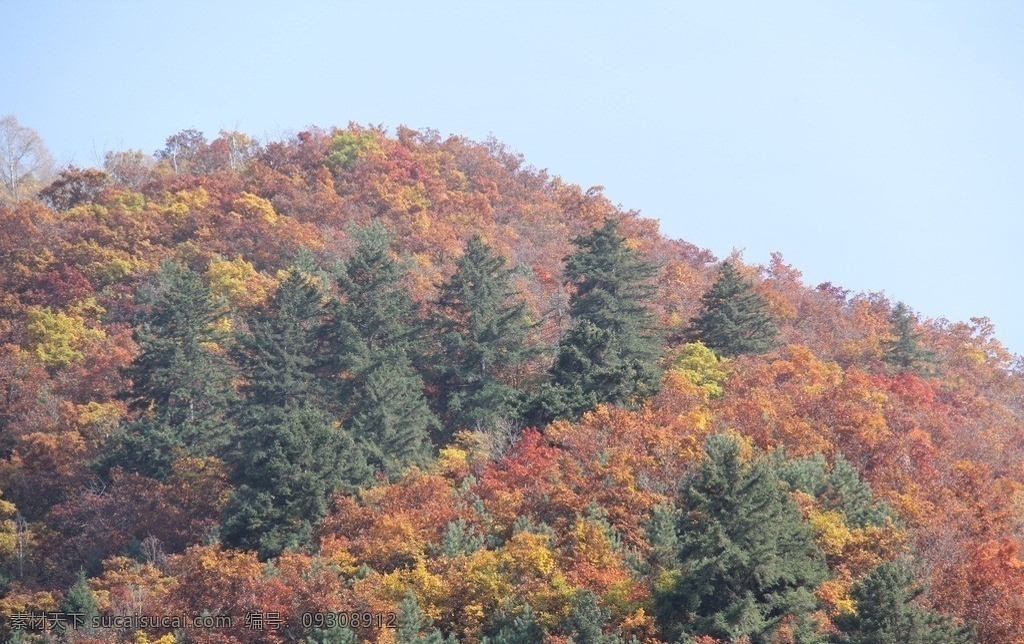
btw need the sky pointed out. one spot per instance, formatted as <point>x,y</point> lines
<point>876,145</point>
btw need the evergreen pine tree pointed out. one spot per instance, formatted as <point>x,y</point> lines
<point>145,445</point>
<point>849,492</point>
<point>390,418</point>
<point>734,318</point>
<point>290,456</point>
<point>904,352</point>
<point>181,380</point>
<point>281,354</point>
<point>413,626</point>
<point>587,371</point>
<point>374,347</point>
<point>519,629</point>
<point>180,373</point>
<point>586,621</point>
<point>460,539</point>
<point>662,535</point>
<point>288,463</point>
<point>482,340</point>
<point>611,353</point>
<point>335,635</point>
<point>80,606</point>
<point>888,612</point>
<point>747,559</point>
<point>376,309</point>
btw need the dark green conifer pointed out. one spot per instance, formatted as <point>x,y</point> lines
<point>518,629</point>
<point>80,606</point>
<point>662,535</point>
<point>611,352</point>
<point>734,318</point>
<point>413,626</point>
<point>748,561</point>
<point>375,305</point>
<point>904,352</point>
<point>587,620</point>
<point>290,456</point>
<point>460,539</point>
<point>888,612</point>
<point>181,380</point>
<point>849,492</point>
<point>182,373</point>
<point>482,334</point>
<point>586,371</point>
<point>280,355</point>
<point>840,487</point>
<point>335,635</point>
<point>390,417</point>
<point>374,349</point>
<point>288,463</point>
<point>613,289</point>
<point>147,446</point>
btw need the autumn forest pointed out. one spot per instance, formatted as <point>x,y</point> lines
<point>362,385</point>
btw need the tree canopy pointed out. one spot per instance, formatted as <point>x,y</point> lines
<point>304,380</point>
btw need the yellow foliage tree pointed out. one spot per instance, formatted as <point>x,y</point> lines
<point>238,282</point>
<point>699,365</point>
<point>8,528</point>
<point>254,206</point>
<point>56,338</point>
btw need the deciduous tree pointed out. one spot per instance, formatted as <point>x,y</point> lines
<point>74,187</point>
<point>25,163</point>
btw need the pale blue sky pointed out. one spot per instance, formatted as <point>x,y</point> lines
<point>877,145</point>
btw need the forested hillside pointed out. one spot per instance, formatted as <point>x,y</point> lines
<point>360,386</point>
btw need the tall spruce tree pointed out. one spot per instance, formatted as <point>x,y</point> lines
<point>375,306</point>
<point>80,607</point>
<point>290,456</point>
<point>888,612</point>
<point>281,353</point>
<point>611,352</point>
<point>413,626</point>
<point>586,621</point>
<point>516,629</point>
<point>374,343</point>
<point>904,351</point>
<point>482,333</point>
<point>734,318</point>
<point>182,372</point>
<point>747,560</point>
<point>389,415</point>
<point>181,379</point>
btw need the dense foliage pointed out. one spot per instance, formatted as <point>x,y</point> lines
<point>353,380</point>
